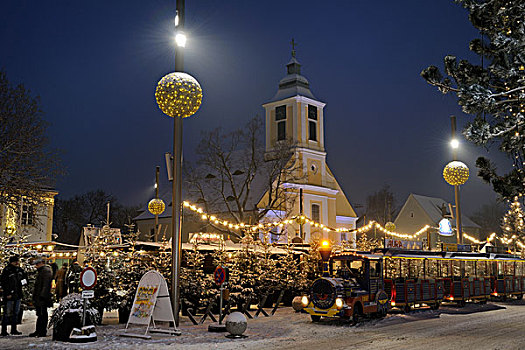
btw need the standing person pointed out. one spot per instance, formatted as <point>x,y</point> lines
<point>12,279</point>
<point>61,285</point>
<point>73,277</point>
<point>54,269</point>
<point>42,296</point>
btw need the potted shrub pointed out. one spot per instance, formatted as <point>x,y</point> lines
<point>68,315</point>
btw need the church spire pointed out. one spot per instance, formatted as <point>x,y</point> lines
<point>293,83</point>
<point>294,67</point>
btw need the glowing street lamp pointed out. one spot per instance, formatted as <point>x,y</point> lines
<point>180,39</point>
<point>456,174</point>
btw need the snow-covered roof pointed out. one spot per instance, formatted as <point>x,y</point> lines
<point>432,206</point>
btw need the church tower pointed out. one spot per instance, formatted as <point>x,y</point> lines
<point>295,115</point>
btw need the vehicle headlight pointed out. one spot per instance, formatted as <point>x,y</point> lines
<point>339,303</point>
<point>305,301</point>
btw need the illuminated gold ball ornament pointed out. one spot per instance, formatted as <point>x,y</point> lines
<point>156,206</point>
<point>178,94</point>
<point>456,173</point>
<point>390,226</point>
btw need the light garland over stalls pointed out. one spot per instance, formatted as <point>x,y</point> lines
<point>238,226</point>
<point>368,227</point>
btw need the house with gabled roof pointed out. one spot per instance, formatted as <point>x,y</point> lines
<point>419,211</point>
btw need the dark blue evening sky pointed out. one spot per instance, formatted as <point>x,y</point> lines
<point>95,65</point>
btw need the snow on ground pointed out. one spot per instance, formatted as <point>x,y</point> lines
<point>491,326</point>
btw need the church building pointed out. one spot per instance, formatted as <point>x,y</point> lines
<point>296,116</point>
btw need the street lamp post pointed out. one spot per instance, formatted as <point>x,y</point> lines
<point>455,144</point>
<point>176,195</point>
<point>156,206</point>
<point>456,173</point>
<point>178,95</point>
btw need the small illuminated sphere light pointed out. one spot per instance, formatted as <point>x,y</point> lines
<point>454,143</point>
<point>156,206</point>
<point>178,94</point>
<point>390,226</point>
<point>456,173</point>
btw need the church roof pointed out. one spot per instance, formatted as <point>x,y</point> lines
<point>293,84</point>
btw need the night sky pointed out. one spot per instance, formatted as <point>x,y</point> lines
<point>95,65</point>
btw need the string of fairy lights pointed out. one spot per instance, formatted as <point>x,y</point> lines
<point>302,219</point>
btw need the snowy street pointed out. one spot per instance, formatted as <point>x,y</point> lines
<point>491,326</point>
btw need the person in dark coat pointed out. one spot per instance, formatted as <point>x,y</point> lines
<point>73,277</point>
<point>61,283</point>
<point>54,269</point>
<point>42,296</point>
<point>12,279</point>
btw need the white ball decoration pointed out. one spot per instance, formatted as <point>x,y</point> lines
<point>236,323</point>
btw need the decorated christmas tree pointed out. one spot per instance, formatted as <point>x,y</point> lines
<point>513,224</point>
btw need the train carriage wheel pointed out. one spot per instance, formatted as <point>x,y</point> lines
<point>407,309</point>
<point>356,315</point>
<point>519,296</point>
<point>315,318</point>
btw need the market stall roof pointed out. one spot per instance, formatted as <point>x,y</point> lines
<point>356,254</point>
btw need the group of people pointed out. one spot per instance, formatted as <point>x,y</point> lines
<point>13,279</point>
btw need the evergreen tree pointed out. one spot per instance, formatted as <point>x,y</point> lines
<point>513,224</point>
<point>492,90</point>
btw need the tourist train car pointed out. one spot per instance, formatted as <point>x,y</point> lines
<point>508,276</point>
<point>415,278</point>
<point>351,287</point>
<point>410,278</point>
<point>466,277</point>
